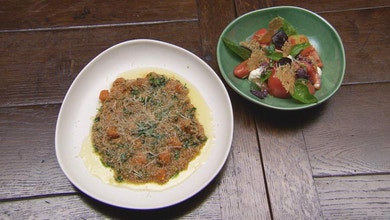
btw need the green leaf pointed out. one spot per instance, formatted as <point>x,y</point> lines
<point>275,56</point>
<point>242,52</point>
<point>272,54</point>
<point>264,77</point>
<point>297,48</point>
<point>288,28</point>
<point>269,49</point>
<point>302,94</point>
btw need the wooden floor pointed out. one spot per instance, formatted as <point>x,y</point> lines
<point>328,162</point>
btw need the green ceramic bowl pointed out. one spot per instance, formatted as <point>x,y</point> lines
<point>320,33</point>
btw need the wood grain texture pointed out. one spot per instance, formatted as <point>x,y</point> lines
<point>204,205</point>
<point>363,38</point>
<point>40,66</point>
<point>213,18</point>
<point>355,197</point>
<point>287,170</point>
<point>242,186</point>
<point>321,6</point>
<point>30,15</point>
<point>28,163</point>
<point>286,163</point>
<point>245,6</point>
<point>351,135</point>
<point>333,5</point>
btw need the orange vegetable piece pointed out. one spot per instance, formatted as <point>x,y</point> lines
<point>174,142</point>
<point>103,95</point>
<point>139,159</point>
<point>161,175</point>
<point>165,157</point>
<point>112,132</point>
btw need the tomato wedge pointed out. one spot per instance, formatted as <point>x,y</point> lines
<point>314,77</point>
<point>241,70</point>
<point>310,51</point>
<point>275,87</point>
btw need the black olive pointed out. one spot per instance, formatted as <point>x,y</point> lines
<point>284,61</point>
<point>279,38</point>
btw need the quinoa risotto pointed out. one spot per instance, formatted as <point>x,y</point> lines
<point>146,129</point>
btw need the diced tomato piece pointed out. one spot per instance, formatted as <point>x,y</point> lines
<point>241,70</point>
<point>275,87</point>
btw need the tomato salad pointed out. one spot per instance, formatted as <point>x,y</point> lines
<point>280,62</point>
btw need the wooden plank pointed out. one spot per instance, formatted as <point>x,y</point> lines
<point>242,186</point>
<point>16,15</point>
<point>245,6</point>
<point>363,38</point>
<point>286,165</point>
<point>28,161</point>
<point>355,197</point>
<point>333,5</point>
<point>80,206</point>
<point>40,66</point>
<point>351,133</point>
<point>214,16</point>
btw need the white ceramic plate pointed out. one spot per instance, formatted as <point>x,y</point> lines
<point>81,102</point>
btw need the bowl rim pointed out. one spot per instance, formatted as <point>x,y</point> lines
<point>257,101</point>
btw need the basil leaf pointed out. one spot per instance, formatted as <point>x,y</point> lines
<point>302,94</point>
<point>264,77</point>
<point>269,49</point>
<point>288,28</point>
<point>242,52</point>
<point>275,56</point>
<point>297,48</point>
<point>271,53</point>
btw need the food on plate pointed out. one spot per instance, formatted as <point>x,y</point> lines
<point>146,129</point>
<point>278,61</point>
